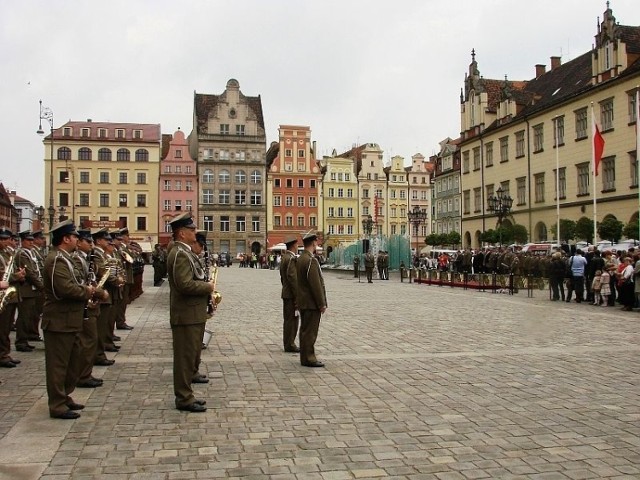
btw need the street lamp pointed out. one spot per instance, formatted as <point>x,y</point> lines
<point>39,211</point>
<point>367,225</point>
<point>47,114</point>
<point>500,205</point>
<point>417,216</point>
<point>61,211</point>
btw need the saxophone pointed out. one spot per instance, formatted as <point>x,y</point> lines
<point>9,293</point>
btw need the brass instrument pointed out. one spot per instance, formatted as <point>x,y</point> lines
<point>125,255</point>
<point>215,297</point>
<point>9,293</point>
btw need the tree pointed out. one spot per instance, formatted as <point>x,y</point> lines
<point>610,229</point>
<point>453,239</point>
<point>584,229</point>
<point>489,236</point>
<point>433,239</point>
<point>519,233</point>
<point>631,229</point>
<point>567,230</point>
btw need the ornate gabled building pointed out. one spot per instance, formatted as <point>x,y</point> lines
<point>293,185</point>
<point>178,185</point>
<point>8,213</point>
<point>446,189</point>
<point>397,196</point>
<point>340,200</point>
<point>228,141</point>
<point>419,175</point>
<point>533,138</point>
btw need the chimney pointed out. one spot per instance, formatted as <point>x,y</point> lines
<point>88,120</point>
<point>555,62</point>
<point>540,70</point>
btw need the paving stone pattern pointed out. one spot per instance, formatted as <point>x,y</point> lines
<point>421,382</point>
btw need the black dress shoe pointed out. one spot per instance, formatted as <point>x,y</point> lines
<point>200,402</point>
<point>25,348</point>
<point>293,349</point>
<point>104,363</point>
<point>15,360</point>
<point>7,364</point>
<point>75,406</point>
<point>315,364</point>
<point>89,384</point>
<point>124,327</point>
<point>116,338</point>
<point>200,379</point>
<point>99,380</point>
<point>112,349</point>
<point>35,339</point>
<point>68,415</point>
<point>193,407</point>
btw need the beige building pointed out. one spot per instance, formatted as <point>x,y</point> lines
<point>397,197</point>
<point>228,142</point>
<point>419,175</point>
<point>105,174</point>
<point>340,200</point>
<point>514,134</point>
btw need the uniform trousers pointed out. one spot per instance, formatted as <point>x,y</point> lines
<point>36,320</point>
<point>6,320</point>
<point>187,343</point>
<point>88,338</point>
<point>309,325</point>
<point>61,354</point>
<point>369,271</point>
<point>105,333</point>
<point>116,306</point>
<point>121,310</point>
<point>24,323</point>
<point>290,324</point>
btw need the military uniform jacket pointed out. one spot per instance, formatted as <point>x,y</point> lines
<point>32,284</point>
<point>5,259</point>
<point>65,294</point>
<point>311,292</point>
<point>87,266</point>
<point>369,260</point>
<point>189,290</point>
<point>128,267</point>
<point>99,259</point>
<point>288,275</point>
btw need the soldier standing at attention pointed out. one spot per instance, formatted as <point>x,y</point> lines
<point>187,310</point>
<point>30,288</point>
<point>7,315</point>
<point>65,298</point>
<point>126,257</point>
<point>312,300</point>
<point>289,281</point>
<point>369,263</point>
<point>356,265</point>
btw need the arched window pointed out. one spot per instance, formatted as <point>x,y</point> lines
<point>256,177</point>
<point>224,176</point>
<point>104,155</point>
<point>84,153</point>
<point>241,177</point>
<point>123,155</point>
<point>142,155</point>
<point>207,176</point>
<point>64,153</point>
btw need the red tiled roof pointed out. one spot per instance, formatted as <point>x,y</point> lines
<point>630,35</point>
<point>166,140</point>
<point>150,131</point>
<point>204,103</point>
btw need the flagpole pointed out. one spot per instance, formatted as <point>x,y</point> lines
<point>593,170</point>
<point>558,237</point>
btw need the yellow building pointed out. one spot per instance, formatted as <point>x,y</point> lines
<point>515,133</point>
<point>340,200</point>
<point>105,174</point>
<point>397,197</point>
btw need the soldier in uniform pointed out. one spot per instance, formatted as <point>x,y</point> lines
<point>289,281</point>
<point>121,240</point>
<point>28,315</point>
<point>66,295</point>
<point>8,313</point>
<point>380,264</point>
<point>311,298</point>
<point>158,261</point>
<point>369,264</point>
<point>356,265</point>
<point>83,256</point>
<point>199,248</point>
<point>189,295</point>
<point>385,264</point>
<point>39,250</point>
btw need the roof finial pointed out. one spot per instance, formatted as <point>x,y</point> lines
<point>473,54</point>
<point>505,77</point>
<point>607,4</point>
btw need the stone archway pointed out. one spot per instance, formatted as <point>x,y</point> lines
<point>467,240</point>
<point>256,248</point>
<point>540,233</point>
<point>478,242</point>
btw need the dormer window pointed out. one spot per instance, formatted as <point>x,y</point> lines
<point>102,133</point>
<point>119,132</point>
<point>66,132</point>
<point>608,55</point>
<point>137,134</point>
<point>85,133</point>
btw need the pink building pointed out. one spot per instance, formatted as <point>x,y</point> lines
<point>178,187</point>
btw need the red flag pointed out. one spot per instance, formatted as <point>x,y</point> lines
<point>598,144</point>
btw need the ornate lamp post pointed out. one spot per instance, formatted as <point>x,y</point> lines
<point>500,205</point>
<point>39,211</point>
<point>61,211</point>
<point>417,216</point>
<point>47,114</point>
<point>367,226</point>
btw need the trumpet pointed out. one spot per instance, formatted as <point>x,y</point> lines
<point>125,255</point>
<point>9,293</point>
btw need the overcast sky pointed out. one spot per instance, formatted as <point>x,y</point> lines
<point>353,70</point>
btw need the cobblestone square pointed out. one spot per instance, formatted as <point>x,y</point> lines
<point>421,382</point>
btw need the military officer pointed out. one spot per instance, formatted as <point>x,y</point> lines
<point>189,295</point>
<point>28,316</point>
<point>89,334</point>
<point>199,248</point>
<point>289,281</point>
<point>369,263</point>
<point>121,241</point>
<point>159,261</point>
<point>39,250</point>
<point>8,313</point>
<point>66,295</point>
<point>356,265</point>
<point>311,299</point>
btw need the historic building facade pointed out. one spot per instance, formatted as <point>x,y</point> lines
<point>228,140</point>
<point>397,197</point>
<point>105,174</point>
<point>515,133</point>
<point>419,175</point>
<point>340,200</point>
<point>178,185</point>
<point>293,185</point>
<point>446,216</point>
